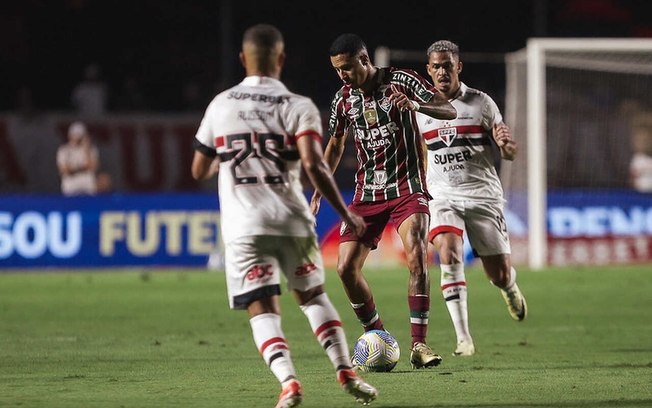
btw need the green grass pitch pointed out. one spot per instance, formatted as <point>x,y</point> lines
<point>166,338</point>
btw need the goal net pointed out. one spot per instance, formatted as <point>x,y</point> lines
<point>574,106</point>
<point>579,109</point>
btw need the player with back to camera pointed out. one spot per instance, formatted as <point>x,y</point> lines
<point>377,106</point>
<point>256,136</point>
<point>468,194</point>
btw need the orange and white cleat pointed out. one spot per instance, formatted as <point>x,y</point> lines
<point>291,395</point>
<point>351,383</point>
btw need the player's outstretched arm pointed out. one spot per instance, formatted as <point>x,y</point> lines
<point>438,107</point>
<point>322,179</point>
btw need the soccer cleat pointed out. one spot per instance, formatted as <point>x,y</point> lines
<point>516,304</point>
<point>422,356</point>
<point>290,396</point>
<point>362,392</point>
<point>464,348</point>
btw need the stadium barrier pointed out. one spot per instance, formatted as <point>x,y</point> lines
<point>184,230</point>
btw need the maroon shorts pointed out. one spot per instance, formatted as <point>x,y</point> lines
<point>378,214</point>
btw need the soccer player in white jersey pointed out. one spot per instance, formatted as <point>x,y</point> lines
<point>256,136</point>
<point>467,193</point>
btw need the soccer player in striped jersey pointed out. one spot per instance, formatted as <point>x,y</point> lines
<point>377,107</point>
<point>256,136</point>
<point>468,195</point>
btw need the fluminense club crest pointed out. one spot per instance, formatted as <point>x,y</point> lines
<point>385,104</point>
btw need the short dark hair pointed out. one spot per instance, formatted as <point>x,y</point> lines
<point>444,46</point>
<point>347,43</point>
<point>265,36</point>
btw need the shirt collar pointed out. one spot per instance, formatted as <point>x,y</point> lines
<point>460,92</point>
<point>256,80</point>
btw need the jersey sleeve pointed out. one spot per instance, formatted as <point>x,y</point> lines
<point>304,118</point>
<point>413,85</point>
<point>490,113</point>
<point>337,122</point>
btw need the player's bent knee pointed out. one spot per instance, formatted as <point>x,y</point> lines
<point>308,295</point>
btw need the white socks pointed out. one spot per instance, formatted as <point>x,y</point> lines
<point>512,278</point>
<point>271,344</point>
<point>453,289</point>
<point>327,326</point>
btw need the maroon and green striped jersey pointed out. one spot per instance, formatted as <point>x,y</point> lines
<point>388,144</point>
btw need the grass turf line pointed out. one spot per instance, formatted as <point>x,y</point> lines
<point>167,339</point>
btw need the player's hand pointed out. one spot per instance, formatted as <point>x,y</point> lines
<point>503,137</point>
<point>315,203</point>
<point>502,134</point>
<point>400,100</point>
<point>355,223</point>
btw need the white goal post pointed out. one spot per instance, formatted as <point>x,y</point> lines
<point>540,53</point>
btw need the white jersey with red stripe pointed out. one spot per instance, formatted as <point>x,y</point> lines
<point>460,159</point>
<point>253,128</point>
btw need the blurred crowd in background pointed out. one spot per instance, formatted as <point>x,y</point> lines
<point>175,55</point>
<point>92,58</point>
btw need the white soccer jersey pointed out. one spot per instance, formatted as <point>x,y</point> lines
<point>640,169</point>
<point>460,160</point>
<point>253,127</point>
<point>76,157</point>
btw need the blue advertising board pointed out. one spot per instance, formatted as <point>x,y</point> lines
<point>597,213</point>
<point>108,230</point>
<point>114,230</point>
<point>184,229</point>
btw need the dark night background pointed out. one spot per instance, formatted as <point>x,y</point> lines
<point>166,46</point>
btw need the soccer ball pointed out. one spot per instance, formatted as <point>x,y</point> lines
<point>376,350</point>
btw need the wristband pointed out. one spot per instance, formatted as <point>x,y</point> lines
<point>416,106</point>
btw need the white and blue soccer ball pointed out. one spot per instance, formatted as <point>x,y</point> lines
<point>376,350</point>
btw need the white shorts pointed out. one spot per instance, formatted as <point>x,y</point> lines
<point>484,223</point>
<point>254,266</point>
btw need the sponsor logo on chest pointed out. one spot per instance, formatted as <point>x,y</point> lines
<point>379,182</point>
<point>380,177</point>
<point>383,132</point>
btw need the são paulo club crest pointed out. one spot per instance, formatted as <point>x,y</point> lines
<point>447,135</point>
